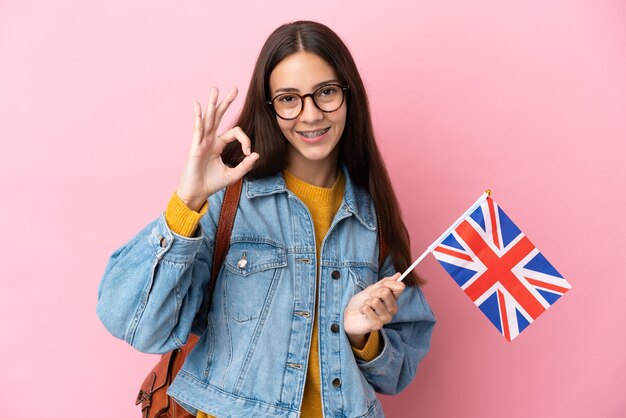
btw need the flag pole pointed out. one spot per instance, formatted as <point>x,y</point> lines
<point>456,223</point>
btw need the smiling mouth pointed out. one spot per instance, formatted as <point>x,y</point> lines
<point>313,134</point>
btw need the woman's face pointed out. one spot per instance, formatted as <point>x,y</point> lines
<point>314,134</point>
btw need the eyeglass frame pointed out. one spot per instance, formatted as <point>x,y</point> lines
<point>312,96</point>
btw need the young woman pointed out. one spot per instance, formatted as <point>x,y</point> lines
<point>304,321</point>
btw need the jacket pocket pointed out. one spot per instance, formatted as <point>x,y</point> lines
<point>362,277</point>
<point>251,268</point>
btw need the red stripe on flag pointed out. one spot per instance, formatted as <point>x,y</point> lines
<point>545,285</point>
<point>505,319</point>
<point>453,253</point>
<point>499,269</point>
<point>494,225</point>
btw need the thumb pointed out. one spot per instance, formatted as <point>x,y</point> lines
<point>393,278</point>
<point>244,166</point>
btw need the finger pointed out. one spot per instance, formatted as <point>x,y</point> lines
<point>393,277</point>
<point>373,318</point>
<point>387,297</point>
<point>238,134</point>
<point>210,110</point>
<point>386,279</point>
<point>392,284</point>
<point>379,306</point>
<point>243,167</point>
<point>198,129</point>
<point>222,107</point>
<point>392,306</point>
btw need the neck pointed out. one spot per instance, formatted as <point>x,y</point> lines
<point>316,178</point>
<point>317,173</point>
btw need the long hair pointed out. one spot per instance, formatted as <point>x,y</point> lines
<point>358,150</point>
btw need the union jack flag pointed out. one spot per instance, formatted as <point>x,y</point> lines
<point>498,267</point>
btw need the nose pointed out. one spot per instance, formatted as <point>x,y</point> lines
<point>310,112</point>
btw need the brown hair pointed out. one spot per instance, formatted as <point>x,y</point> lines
<point>358,150</point>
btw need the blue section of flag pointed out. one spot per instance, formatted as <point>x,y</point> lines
<point>450,241</point>
<point>509,230</point>
<point>491,310</point>
<point>477,216</point>
<point>459,274</point>
<point>549,296</point>
<point>521,321</point>
<point>540,264</point>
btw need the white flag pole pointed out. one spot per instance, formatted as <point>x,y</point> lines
<point>456,223</point>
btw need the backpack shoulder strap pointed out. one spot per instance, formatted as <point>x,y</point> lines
<point>225,227</point>
<point>222,242</point>
<point>382,246</point>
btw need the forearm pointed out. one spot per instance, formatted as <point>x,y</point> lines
<point>152,287</point>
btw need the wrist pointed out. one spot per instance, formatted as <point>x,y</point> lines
<point>195,204</point>
<point>357,340</point>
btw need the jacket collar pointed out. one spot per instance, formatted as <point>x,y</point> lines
<point>356,201</point>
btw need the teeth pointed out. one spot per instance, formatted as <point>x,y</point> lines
<point>313,134</point>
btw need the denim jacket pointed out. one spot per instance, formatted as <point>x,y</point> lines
<point>251,360</point>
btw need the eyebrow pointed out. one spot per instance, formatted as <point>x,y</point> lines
<point>315,87</point>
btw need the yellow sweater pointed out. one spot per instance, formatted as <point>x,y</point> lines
<point>322,203</point>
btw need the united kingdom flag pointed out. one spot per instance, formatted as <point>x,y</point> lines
<point>498,267</point>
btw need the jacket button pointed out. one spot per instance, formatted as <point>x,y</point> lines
<point>334,328</point>
<point>335,274</point>
<point>337,382</point>
<point>162,241</point>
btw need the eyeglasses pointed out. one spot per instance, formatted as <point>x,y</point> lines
<point>328,98</point>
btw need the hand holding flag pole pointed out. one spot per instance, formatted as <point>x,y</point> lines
<point>497,266</point>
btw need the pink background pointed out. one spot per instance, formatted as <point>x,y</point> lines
<point>525,97</point>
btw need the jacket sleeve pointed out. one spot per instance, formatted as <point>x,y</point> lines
<point>406,340</point>
<point>153,286</point>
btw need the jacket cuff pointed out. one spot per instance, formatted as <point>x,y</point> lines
<point>182,220</point>
<point>372,349</point>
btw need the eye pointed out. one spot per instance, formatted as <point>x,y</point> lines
<point>327,91</point>
<point>287,98</point>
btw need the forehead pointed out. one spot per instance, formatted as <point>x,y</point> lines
<point>301,71</point>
